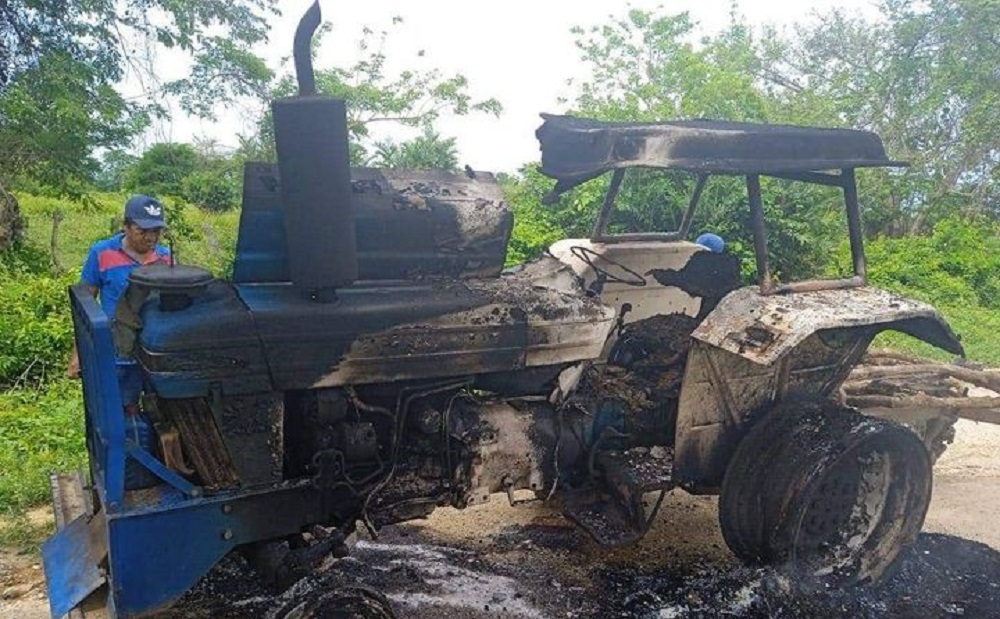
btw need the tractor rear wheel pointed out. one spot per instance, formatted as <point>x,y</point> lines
<point>825,493</point>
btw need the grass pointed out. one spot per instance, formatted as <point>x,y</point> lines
<point>22,532</point>
<point>41,431</point>
<point>204,238</point>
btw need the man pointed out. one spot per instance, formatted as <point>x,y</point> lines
<point>109,263</point>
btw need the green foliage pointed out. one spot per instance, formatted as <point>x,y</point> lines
<point>53,116</point>
<point>534,229</point>
<point>956,268</point>
<point>114,166</point>
<point>34,322</point>
<point>216,185</point>
<point>42,433</point>
<point>957,265</point>
<point>162,169</point>
<point>223,70</point>
<point>976,326</point>
<point>414,97</point>
<point>210,241</point>
<point>924,78</point>
<point>428,151</point>
<point>202,176</point>
<point>644,66</point>
<point>62,61</point>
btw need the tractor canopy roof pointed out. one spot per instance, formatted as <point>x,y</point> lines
<point>575,150</point>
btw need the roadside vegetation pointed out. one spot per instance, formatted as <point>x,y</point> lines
<point>923,76</point>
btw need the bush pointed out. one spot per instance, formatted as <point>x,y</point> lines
<point>957,265</point>
<point>42,433</point>
<point>956,269</point>
<point>216,186</point>
<point>35,324</point>
<point>162,169</point>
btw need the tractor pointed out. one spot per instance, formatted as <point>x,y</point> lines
<point>371,360</point>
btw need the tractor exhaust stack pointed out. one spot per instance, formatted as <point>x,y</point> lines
<point>310,134</point>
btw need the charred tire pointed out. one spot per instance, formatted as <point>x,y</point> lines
<point>824,493</point>
<point>340,603</point>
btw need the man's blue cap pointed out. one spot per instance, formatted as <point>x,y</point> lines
<point>713,242</point>
<point>145,212</point>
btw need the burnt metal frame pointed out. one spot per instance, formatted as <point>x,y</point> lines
<point>845,180</point>
<point>600,235</point>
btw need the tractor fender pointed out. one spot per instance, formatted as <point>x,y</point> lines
<point>753,350</point>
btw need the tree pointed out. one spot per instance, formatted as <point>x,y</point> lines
<point>200,174</point>
<point>163,169</point>
<point>217,183</point>
<point>415,97</point>
<point>923,77</point>
<point>114,166</point>
<point>429,151</point>
<point>60,61</point>
<point>645,66</point>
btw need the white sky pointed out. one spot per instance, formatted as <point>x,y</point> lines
<point>519,51</point>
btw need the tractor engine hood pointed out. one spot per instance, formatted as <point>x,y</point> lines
<point>254,338</point>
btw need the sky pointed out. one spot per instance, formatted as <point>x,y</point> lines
<point>519,51</point>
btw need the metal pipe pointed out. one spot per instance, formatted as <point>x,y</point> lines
<point>854,224</point>
<point>609,205</point>
<point>759,233</point>
<point>812,285</point>
<point>600,237</point>
<point>639,237</point>
<point>816,178</point>
<point>699,188</point>
<point>303,50</point>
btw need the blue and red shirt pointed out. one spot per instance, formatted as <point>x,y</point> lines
<point>108,266</point>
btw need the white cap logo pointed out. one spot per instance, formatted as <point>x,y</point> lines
<point>153,210</point>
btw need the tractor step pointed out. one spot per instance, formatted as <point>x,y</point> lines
<point>602,517</point>
<point>638,470</point>
<point>612,509</point>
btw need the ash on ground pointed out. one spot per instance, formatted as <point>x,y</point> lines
<point>939,577</point>
<point>517,574</point>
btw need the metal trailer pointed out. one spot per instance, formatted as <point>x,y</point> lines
<point>370,362</point>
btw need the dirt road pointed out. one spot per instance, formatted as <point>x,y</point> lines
<point>527,562</point>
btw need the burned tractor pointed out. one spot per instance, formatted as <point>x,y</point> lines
<point>371,361</point>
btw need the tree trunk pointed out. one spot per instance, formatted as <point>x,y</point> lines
<point>11,221</point>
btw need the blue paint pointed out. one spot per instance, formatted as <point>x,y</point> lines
<point>102,397</point>
<point>159,550</point>
<point>141,457</point>
<point>140,433</point>
<point>162,540</point>
<point>71,571</point>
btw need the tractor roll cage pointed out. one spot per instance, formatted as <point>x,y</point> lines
<point>576,150</point>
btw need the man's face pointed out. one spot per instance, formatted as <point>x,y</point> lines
<point>142,240</point>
